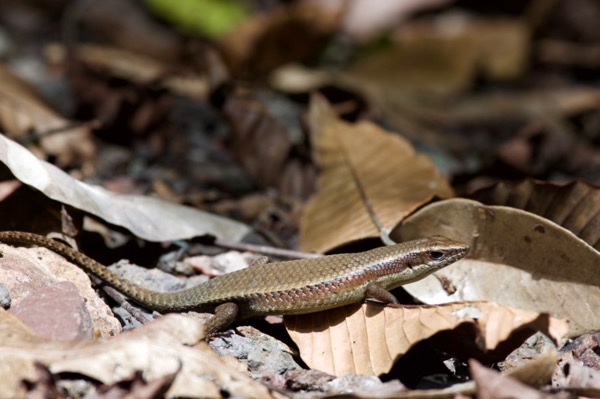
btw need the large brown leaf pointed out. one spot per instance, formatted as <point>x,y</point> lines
<point>517,259</point>
<point>370,180</point>
<point>368,339</point>
<point>574,206</point>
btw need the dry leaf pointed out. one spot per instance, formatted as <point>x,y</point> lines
<point>577,369</point>
<point>22,111</point>
<point>498,107</point>
<point>362,166</point>
<point>146,217</point>
<point>368,339</point>
<point>574,206</point>
<point>135,67</point>
<point>517,259</point>
<point>492,385</point>
<point>536,372</point>
<point>129,25</point>
<point>265,130</point>
<point>300,29</point>
<point>137,387</point>
<point>530,372</point>
<point>430,57</point>
<point>157,349</point>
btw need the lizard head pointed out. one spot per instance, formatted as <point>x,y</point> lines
<point>440,251</point>
<point>431,254</point>
<point>420,258</point>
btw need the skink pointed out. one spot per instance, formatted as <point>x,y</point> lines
<point>290,287</point>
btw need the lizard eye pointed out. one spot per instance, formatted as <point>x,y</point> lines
<point>436,255</point>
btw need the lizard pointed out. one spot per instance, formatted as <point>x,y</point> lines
<point>283,288</point>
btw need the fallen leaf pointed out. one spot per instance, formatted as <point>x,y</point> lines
<point>491,384</point>
<point>574,206</point>
<point>135,67</point>
<point>367,173</point>
<point>43,386</point>
<point>146,217</point>
<point>538,367</point>
<point>368,339</point>
<point>535,372</point>
<point>158,349</point>
<point>301,28</point>
<point>578,367</point>
<point>582,380</point>
<point>266,129</point>
<point>568,53</point>
<point>130,26</point>
<point>136,386</point>
<point>498,107</point>
<point>517,259</point>
<point>429,57</point>
<point>22,111</point>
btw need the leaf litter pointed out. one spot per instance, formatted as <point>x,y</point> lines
<point>501,106</point>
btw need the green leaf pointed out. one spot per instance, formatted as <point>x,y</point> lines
<point>212,18</point>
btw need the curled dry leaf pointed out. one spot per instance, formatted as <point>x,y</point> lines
<point>302,29</point>
<point>574,206</point>
<point>148,218</point>
<point>157,349</point>
<point>491,384</point>
<point>137,68</point>
<point>22,111</point>
<point>517,259</point>
<point>538,371</point>
<point>368,339</point>
<point>362,167</point>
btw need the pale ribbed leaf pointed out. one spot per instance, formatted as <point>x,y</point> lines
<point>574,206</point>
<point>150,218</point>
<point>517,259</point>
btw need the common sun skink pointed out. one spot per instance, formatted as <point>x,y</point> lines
<point>290,287</point>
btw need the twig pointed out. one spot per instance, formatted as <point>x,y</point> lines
<point>120,300</point>
<point>277,252</point>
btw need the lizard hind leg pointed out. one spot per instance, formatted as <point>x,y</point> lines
<point>225,314</point>
<point>377,293</point>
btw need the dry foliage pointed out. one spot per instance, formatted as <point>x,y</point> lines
<point>369,179</point>
<point>489,91</point>
<point>166,346</point>
<point>368,339</point>
<point>517,259</point>
<point>23,111</point>
<point>134,212</point>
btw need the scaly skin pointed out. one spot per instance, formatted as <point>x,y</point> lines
<point>292,287</point>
